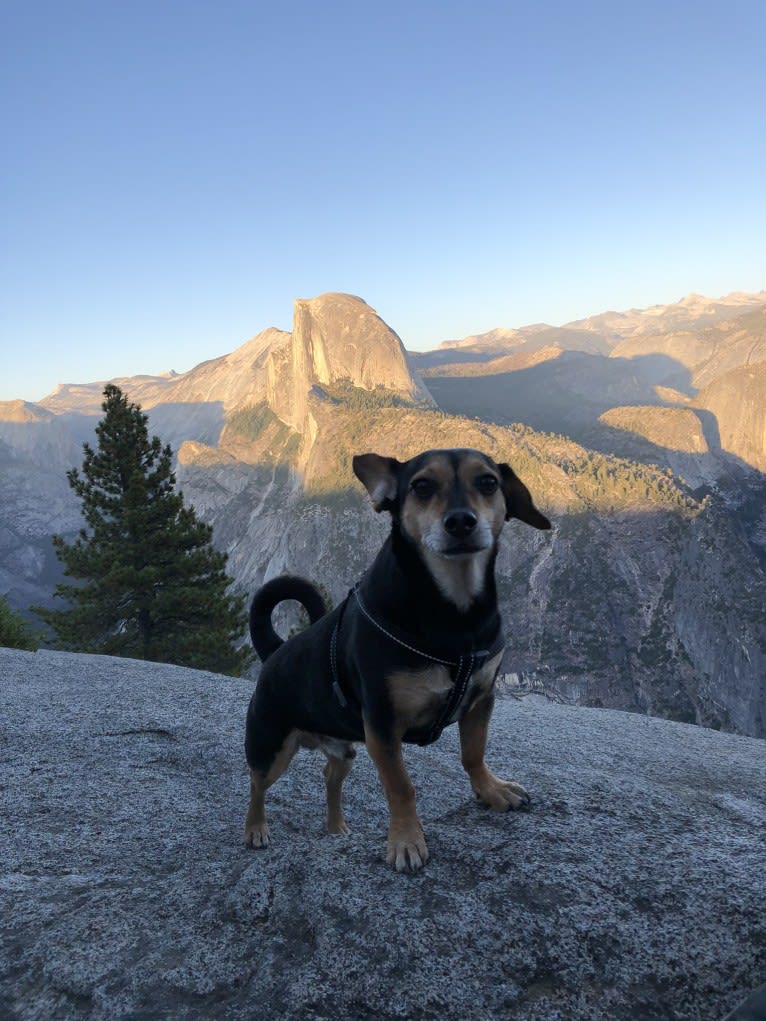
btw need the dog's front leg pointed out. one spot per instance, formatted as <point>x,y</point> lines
<point>406,848</point>
<point>498,794</point>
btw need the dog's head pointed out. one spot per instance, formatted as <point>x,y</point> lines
<point>451,503</point>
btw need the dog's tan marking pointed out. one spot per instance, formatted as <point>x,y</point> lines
<point>406,847</point>
<point>416,695</point>
<point>335,772</point>
<point>256,827</point>
<point>484,678</point>
<point>417,517</point>
<point>460,579</point>
<point>498,794</point>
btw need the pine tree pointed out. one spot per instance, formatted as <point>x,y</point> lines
<point>151,584</point>
<point>15,633</point>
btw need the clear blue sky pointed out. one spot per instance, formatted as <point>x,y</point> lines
<point>176,173</point>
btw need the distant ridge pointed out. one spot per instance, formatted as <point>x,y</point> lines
<point>332,332</point>
<point>690,310</point>
<point>23,411</point>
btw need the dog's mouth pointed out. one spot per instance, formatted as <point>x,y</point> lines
<point>454,547</point>
<point>461,549</point>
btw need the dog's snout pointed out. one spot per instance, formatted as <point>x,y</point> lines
<point>460,522</point>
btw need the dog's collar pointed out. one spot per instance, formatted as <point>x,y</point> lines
<point>462,669</point>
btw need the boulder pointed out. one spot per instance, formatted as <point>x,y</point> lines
<point>634,888</point>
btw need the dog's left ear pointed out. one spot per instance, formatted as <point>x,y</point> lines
<point>518,500</point>
<point>380,477</point>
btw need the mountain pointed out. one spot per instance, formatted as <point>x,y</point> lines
<point>736,400</point>
<point>600,334</point>
<point>335,337</point>
<point>671,357</point>
<point>648,595</point>
<point>704,352</point>
<point>338,345</point>
<point>496,344</point>
<point>693,312</point>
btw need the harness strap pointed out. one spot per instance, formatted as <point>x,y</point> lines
<point>343,693</point>
<point>461,670</point>
<point>399,641</point>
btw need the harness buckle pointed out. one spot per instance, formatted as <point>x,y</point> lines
<point>480,657</point>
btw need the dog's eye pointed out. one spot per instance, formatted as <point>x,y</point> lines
<point>423,488</point>
<point>487,484</point>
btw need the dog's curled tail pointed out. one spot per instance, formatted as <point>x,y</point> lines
<point>286,586</point>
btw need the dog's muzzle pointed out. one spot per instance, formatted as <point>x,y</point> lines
<point>460,533</point>
<point>460,522</point>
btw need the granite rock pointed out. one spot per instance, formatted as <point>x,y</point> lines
<point>634,888</point>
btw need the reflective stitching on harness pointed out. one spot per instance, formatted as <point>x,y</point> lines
<point>425,655</point>
<point>334,667</point>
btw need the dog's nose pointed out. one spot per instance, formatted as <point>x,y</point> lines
<point>460,522</point>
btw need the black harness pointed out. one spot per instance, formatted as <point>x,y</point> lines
<point>461,670</point>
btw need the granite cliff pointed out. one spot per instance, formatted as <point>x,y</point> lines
<point>643,597</point>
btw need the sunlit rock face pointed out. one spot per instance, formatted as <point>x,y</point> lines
<point>338,337</point>
<point>737,401</point>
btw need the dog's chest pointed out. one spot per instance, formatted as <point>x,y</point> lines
<point>417,696</point>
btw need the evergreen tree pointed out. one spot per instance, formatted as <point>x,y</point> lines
<point>151,585</point>
<point>15,633</point>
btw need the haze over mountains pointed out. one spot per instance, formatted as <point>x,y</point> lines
<point>642,434</point>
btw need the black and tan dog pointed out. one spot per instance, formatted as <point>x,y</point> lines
<point>414,647</point>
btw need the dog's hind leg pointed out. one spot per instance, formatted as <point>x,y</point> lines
<point>335,772</point>
<point>256,827</point>
<point>498,794</point>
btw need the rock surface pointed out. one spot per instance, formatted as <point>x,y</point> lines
<point>635,888</point>
<point>737,400</point>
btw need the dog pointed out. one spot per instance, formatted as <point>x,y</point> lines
<point>414,647</point>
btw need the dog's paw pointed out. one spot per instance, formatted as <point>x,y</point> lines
<point>338,826</point>
<point>406,849</point>
<point>257,835</point>
<point>501,795</point>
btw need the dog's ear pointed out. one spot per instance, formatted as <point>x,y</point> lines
<point>518,500</point>
<point>380,477</point>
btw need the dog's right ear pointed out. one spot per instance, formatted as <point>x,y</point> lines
<point>518,500</point>
<point>380,477</point>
